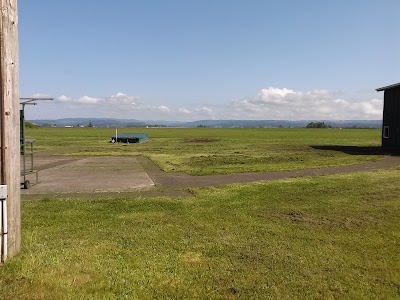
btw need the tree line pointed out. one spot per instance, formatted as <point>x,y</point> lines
<point>318,125</point>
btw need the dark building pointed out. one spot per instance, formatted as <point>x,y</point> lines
<point>391,116</point>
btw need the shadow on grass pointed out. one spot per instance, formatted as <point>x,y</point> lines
<point>359,150</point>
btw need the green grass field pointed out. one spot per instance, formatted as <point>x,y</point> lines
<point>328,237</point>
<point>232,151</point>
<point>333,237</point>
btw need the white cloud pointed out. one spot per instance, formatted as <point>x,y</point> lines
<point>207,110</point>
<point>118,99</point>
<point>163,109</point>
<point>275,103</point>
<point>122,99</point>
<point>87,100</point>
<point>184,111</point>
<point>64,98</point>
<point>274,95</point>
<point>269,103</point>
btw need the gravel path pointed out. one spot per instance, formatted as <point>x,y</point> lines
<point>161,178</point>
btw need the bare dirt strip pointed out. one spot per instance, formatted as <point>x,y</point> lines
<point>159,177</point>
<point>124,175</point>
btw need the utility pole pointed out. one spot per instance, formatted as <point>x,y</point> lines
<point>10,216</point>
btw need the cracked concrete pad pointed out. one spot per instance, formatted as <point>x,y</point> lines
<point>90,174</point>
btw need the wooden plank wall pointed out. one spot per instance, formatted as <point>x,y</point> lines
<point>9,94</point>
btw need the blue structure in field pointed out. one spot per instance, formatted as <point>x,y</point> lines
<point>130,138</point>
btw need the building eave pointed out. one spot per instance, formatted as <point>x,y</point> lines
<point>392,86</point>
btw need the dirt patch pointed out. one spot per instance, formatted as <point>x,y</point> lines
<point>201,140</point>
<point>192,257</point>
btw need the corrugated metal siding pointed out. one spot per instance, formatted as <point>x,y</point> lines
<point>391,118</point>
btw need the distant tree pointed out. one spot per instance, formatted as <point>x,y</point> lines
<point>201,126</point>
<point>90,124</point>
<point>261,126</point>
<point>317,125</point>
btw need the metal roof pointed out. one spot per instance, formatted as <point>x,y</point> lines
<point>132,135</point>
<point>392,86</point>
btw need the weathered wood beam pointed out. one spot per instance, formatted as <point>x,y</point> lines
<point>10,124</point>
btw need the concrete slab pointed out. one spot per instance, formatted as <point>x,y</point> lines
<point>89,175</point>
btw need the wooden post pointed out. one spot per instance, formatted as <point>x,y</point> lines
<point>9,126</point>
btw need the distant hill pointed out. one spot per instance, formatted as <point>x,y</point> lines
<point>98,122</point>
<point>107,122</point>
<point>284,123</point>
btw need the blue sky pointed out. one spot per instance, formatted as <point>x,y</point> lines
<point>208,59</point>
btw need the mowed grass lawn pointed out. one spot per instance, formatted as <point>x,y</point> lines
<point>227,151</point>
<point>329,237</point>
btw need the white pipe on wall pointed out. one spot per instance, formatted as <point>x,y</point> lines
<point>4,231</point>
<point>3,222</point>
